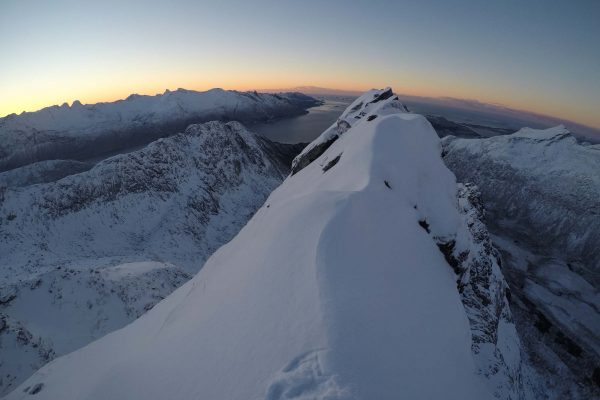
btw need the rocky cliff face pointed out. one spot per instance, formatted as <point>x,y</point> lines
<point>486,297</point>
<point>88,132</point>
<point>89,253</point>
<point>541,189</point>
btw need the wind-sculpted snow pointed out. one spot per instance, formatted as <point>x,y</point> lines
<point>89,253</point>
<point>81,132</point>
<point>365,275</point>
<point>372,103</point>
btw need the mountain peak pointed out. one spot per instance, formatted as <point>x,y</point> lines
<point>355,280</point>
<point>83,132</point>
<point>370,105</point>
<point>557,132</point>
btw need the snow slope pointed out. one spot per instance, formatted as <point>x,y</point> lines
<point>80,132</point>
<point>351,282</point>
<point>89,253</point>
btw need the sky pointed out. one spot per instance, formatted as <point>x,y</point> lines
<point>541,56</point>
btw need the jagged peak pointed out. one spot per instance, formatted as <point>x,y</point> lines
<point>372,104</point>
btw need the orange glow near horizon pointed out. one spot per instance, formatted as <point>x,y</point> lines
<point>532,57</point>
<point>37,96</point>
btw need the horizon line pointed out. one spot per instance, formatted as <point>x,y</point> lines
<point>326,90</point>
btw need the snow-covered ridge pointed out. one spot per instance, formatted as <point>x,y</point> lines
<point>372,103</point>
<point>365,275</point>
<point>89,253</point>
<point>81,132</point>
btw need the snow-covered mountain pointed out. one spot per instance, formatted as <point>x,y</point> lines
<point>367,274</point>
<point>541,189</point>
<point>89,253</point>
<point>541,183</point>
<point>81,132</point>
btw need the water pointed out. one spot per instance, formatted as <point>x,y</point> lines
<point>304,128</point>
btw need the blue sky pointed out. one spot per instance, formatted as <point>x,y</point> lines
<point>541,56</point>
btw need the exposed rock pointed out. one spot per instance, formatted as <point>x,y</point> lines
<point>369,103</point>
<point>541,189</point>
<point>331,163</point>
<point>483,290</point>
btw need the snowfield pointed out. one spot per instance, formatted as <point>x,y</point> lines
<point>365,275</point>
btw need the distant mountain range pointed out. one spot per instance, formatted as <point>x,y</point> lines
<point>471,112</point>
<point>83,132</point>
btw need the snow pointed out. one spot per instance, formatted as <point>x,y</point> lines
<point>567,298</point>
<point>70,307</point>
<point>331,291</point>
<point>557,132</point>
<point>89,253</point>
<point>157,202</point>
<point>42,172</point>
<point>84,132</point>
<point>134,269</point>
<point>541,189</point>
<point>374,102</point>
<point>157,107</point>
<point>540,184</point>
<point>551,302</point>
